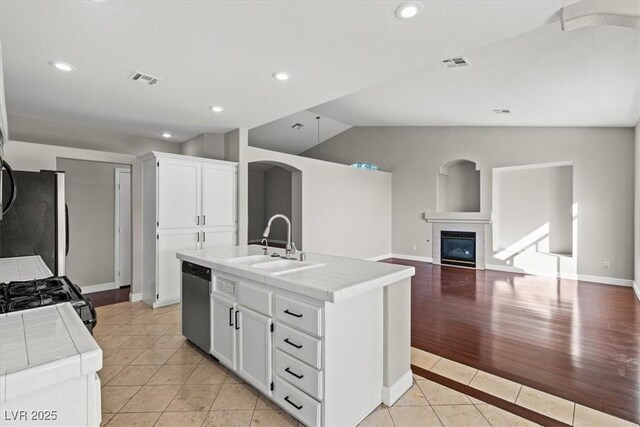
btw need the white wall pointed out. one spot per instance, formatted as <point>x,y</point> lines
<point>277,200</point>
<point>256,204</point>
<point>345,211</point>
<point>602,181</point>
<point>208,145</point>
<point>637,210</point>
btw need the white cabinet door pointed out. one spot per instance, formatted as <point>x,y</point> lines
<point>218,238</point>
<point>254,349</point>
<point>168,287</point>
<point>218,195</point>
<point>223,330</point>
<point>178,194</point>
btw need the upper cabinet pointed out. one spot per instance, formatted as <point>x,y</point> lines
<point>218,183</point>
<point>179,189</point>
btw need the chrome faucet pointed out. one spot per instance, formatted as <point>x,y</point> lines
<point>266,245</point>
<point>290,249</point>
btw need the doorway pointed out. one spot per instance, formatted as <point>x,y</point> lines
<point>122,245</point>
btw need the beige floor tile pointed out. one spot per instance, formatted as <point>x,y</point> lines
<point>198,397</point>
<point>423,359</point>
<point>169,341</point>
<point>108,372</point>
<point>181,419</point>
<point>409,416</point>
<point>417,377</point>
<point>139,341</point>
<point>134,375</point>
<point>208,374</point>
<point>412,397</point>
<point>437,394</point>
<point>587,417</point>
<point>273,418</point>
<point>185,356</point>
<point>233,379</point>
<point>172,374</point>
<point>144,319</point>
<point>170,318</point>
<point>129,329</point>
<point>454,370</point>
<point>105,419</point>
<point>547,404</point>
<point>228,418</point>
<point>378,418</point>
<point>154,356</point>
<point>265,403</point>
<point>236,396</point>
<point>111,341</point>
<point>134,420</point>
<point>122,356</point>
<point>116,319</point>
<point>103,330</point>
<point>496,386</point>
<point>151,398</point>
<point>114,397</point>
<point>460,416</point>
<point>157,329</point>
<point>501,418</point>
<point>476,401</point>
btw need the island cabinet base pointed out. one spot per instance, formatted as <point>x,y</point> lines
<point>322,362</point>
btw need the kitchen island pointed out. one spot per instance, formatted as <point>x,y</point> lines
<point>326,338</point>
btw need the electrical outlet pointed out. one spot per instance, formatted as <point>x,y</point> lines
<point>415,247</point>
<point>606,264</point>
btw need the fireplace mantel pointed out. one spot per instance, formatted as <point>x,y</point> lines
<point>457,217</point>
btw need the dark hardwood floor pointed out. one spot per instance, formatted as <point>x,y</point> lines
<point>113,296</point>
<point>576,340</point>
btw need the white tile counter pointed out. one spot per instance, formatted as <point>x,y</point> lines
<point>339,278</point>
<point>23,268</point>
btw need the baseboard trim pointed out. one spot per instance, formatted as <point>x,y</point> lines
<point>570,276</point>
<point>413,257</point>
<point>135,297</point>
<point>391,394</point>
<point>636,287</point>
<point>98,288</point>
<point>380,257</point>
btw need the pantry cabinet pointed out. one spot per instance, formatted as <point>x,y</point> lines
<point>188,203</point>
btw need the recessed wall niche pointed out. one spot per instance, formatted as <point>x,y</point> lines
<point>458,187</point>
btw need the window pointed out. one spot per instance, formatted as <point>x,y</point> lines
<point>363,165</point>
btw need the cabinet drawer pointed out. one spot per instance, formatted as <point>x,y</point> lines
<point>298,404</point>
<point>255,298</point>
<point>300,345</point>
<point>300,374</point>
<point>300,315</point>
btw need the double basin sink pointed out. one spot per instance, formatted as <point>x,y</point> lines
<point>274,265</point>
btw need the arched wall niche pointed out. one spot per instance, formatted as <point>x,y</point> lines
<point>458,187</point>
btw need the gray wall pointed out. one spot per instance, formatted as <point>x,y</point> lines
<point>90,195</point>
<point>637,210</point>
<point>256,204</point>
<point>277,200</point>
<point>602,184</point>
<point>53,133</point>
<point>208,145</point>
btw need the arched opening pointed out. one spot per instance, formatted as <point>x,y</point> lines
<point>274,188</point>
<point>458,187</point>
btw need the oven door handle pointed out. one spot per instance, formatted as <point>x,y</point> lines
<point>13,189</point>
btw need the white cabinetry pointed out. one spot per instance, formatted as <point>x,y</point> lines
<point>188,203</point>
<point>254,349</point>
<point>223,330</point>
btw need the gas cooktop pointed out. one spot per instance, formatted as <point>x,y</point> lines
<point>17,296</point>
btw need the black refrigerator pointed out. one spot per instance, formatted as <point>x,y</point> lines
<point>37,223</point>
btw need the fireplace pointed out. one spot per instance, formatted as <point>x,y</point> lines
<point>458,248</point>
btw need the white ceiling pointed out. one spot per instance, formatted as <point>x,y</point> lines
<point>278,135</point>
<point>546,77</point>
<point>225,52</point>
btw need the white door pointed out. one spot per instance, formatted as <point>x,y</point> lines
<point>218,238</point>
<point>123,228</point>
<point>218,195</point>
<point>223,330</point>
<point>254,349</point>
<point>168,265</point>
<point>178,194</point>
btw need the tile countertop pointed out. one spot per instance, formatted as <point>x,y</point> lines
<point>23,268</point>
<point>42,347</point>
<point>339,278</point>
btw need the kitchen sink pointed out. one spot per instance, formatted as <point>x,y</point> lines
<point>252,259</point>
<point>285,266</point>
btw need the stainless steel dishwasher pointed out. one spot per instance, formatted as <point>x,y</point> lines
<point>196,308</point>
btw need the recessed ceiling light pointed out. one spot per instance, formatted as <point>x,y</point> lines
<point>216,108</point>
<point>408,10</point>
<point>166,135</point>
<point>62,66</point>
<point>281,75</point>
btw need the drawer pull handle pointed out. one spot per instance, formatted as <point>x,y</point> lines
<point>237,326</point>
<point>230,316</point>
<point>298,407</point>
<point>288,371</point>
<point>292,314</point>
<point>292,344</point>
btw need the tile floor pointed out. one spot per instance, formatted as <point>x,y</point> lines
<point>153,377</point>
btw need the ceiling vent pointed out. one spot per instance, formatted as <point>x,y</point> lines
<point>457,62</point>
<point>297,126</point>
<point>137,76</point>
<point>502,111</point>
